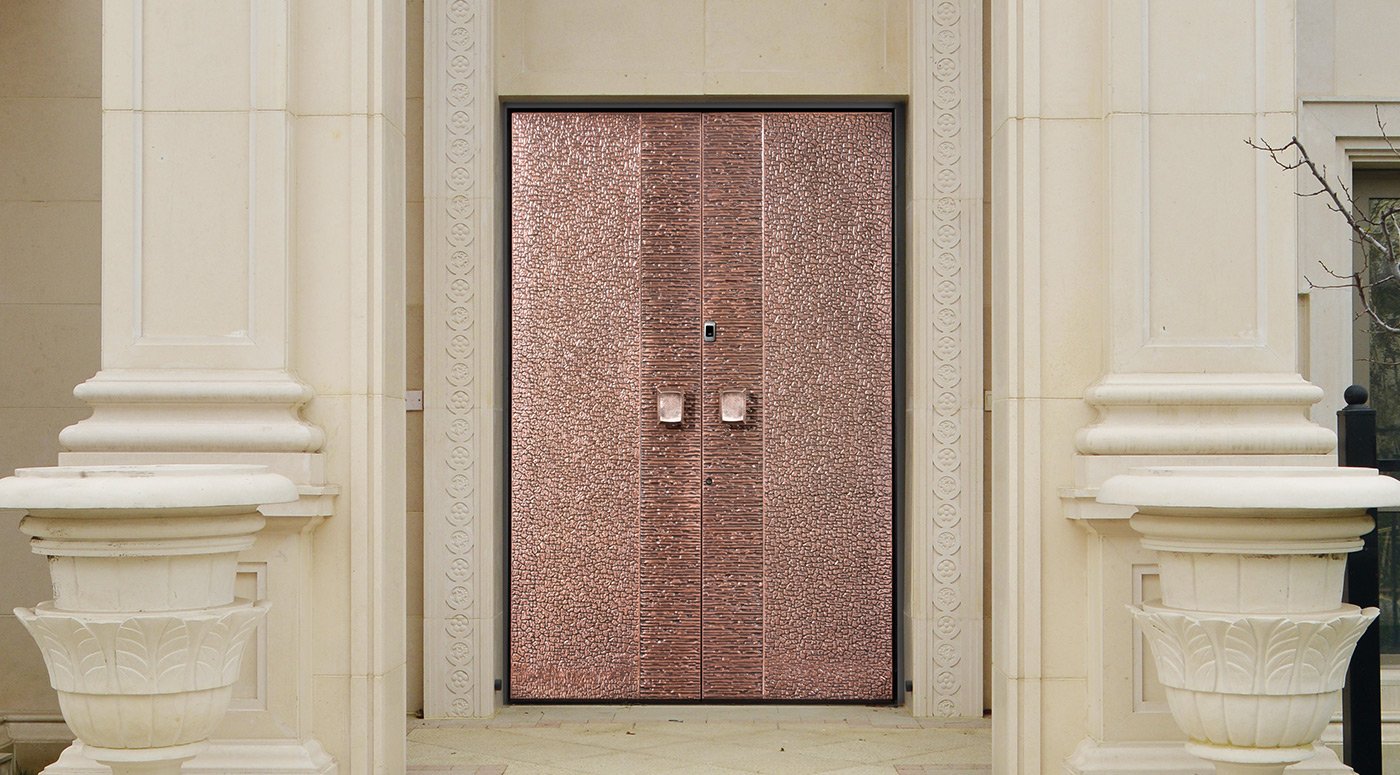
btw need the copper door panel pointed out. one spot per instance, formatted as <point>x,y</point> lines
<point>733,454</point>
<point>827,383</point>
<point>575,388</point>
<point>743,549</point>
<point>670,526</point>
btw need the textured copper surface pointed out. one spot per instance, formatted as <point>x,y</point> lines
<point>575,388</point>
<point>704,558</point>
<point>733,455</point>
<point>670,524</point>
<point>827,484</point>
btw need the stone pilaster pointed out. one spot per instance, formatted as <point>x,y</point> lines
<point>1200,318</point>
<point>253,312</point>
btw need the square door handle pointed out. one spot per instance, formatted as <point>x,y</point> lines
<point>733,404</point>
<point>670,405</point>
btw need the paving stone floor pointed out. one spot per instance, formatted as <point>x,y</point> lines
<point>720,739</point>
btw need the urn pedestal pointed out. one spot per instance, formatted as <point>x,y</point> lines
<point>1250,639</point>
<point>144,637</point>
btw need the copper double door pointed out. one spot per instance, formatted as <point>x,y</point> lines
<point>700,406</point>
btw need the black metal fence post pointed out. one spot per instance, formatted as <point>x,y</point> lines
<point>1361,699</point>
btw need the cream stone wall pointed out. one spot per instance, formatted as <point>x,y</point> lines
<point>678,48</point>
<point>926,52</point>
<point>413,346</point>
<point>50,191</point>
<point>1343,72</point>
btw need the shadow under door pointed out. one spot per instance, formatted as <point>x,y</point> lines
<point>701,431</point>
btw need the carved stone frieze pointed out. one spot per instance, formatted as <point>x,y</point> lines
<point>947,89</point>
<point>1253,654</point>
<point>142,654</point>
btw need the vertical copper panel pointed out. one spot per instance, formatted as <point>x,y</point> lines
<point>670,514</point>
<point>733,518</point>
<point>827,339</point>
<point>575,384</point>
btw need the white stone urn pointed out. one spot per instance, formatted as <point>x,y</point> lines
<point>144,637</point>
<point>1251,639</point>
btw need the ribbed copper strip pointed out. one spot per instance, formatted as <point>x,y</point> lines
<point>733,452</point>
<point>671,340</point>
<point>827,483</point>
<point>575,448</point>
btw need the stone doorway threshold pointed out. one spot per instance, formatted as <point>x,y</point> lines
<point>721,739</point>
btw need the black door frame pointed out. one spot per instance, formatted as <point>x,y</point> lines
<point>898,112</point>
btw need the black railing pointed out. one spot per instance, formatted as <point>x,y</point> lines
<point>1361,698</point>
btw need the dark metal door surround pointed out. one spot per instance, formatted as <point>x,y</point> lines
<point>701,406</point>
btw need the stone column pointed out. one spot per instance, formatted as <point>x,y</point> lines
<point>144,638</point>
<point>1250,637</point>
<point>1197,341</point>
<point>253,312</point>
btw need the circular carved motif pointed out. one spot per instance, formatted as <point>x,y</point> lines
<point>947,600</point>
<point>946,375</point>
<point>946,97</point>
<point>946,208</point>
<point>946,515</point>
<point>945,41</point>
<point>459,627</point>
<point>459,597</point>
<point>460,67</point>
<point>459,94</point>
<point>459,149</point>
<point>460,290</point>
<point>946,570</point>
<point>460,681</point>
<point>946,626</point>
<point>946,13</point>
<point>945,292</point>
<point>946,180</point>
<point>946,264</point>
<point>946,124</point>
<point>945,319</point>
<point>461,233</point>
<point>945,459</point>
<point>946,347</point>
<point>459,459</point>
<point>459,570</point>
<point>947,541</point>
<point>946,68</point>
<point>946,683</point>
<point>460,402</point>
<point>459,542</point>
<point>947,487</point>
<point>460,429</point>
<point>461,707</point>
<point>460,122</point>
<point>946,403</point>
<point>459,374</point>
<point>461,11</point>
<point>459,654</point>
<point>459,514</point>
<point>946,152</point>
<point>459,347</point>
<point>459,486</point>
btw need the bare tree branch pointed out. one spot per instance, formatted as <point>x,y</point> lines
<point>1378,233</point>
